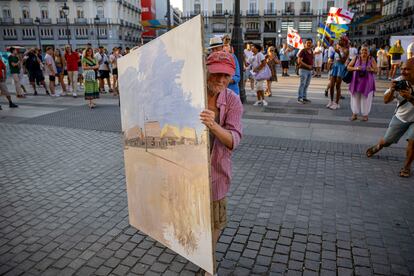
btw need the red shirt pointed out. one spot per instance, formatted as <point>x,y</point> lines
<point>72,61</point>
<point>231,111</point>
<point>2,67</point>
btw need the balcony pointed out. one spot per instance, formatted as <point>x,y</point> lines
<point>219,13</point>
<point>101,21</point>
<point>81,21</point>
<point>26,20</point>
<point>45,21</point>
<point>288,12</point>
<point>252,13</point>
<point>194,13</point>
<point>306,12</point>
<point>29,37</point>
<point>270,12</point>
<point>7,21</point>
<point>61,21</point>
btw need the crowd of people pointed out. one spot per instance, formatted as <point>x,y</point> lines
<point>72,70</point>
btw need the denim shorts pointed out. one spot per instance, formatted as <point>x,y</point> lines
<point>397,129</point>
<point>338,70</point>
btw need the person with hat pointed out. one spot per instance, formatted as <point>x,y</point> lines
<point>223,119</point>
<point>216,45</point>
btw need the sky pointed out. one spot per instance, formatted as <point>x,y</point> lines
<point>177,4</point>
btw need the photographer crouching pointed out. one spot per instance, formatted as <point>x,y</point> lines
<point>402,122</point>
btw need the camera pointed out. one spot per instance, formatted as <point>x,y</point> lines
<point>106,63</point>
<point>401,85</point>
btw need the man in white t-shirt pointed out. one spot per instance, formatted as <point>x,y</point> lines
<point>247,56</point>
<point>410,50</point>
<point>318,54</point>
<point>402,123</point>
<point>258,62</point>
<point>50,70</point>
<point>353,51</point>
<point>113,58</point>
<point>103,62</point>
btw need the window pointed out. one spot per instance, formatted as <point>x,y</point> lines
<point>9,33</point>
<point>6,13</point>
<point>271,5</point>
<point>252,26</point>
<point>286,24</point>
<point>290,7</point>
<point>61,13</point>
<point>305,7</point>
<point>219,28</point>
<point>44,13</point>
<point>305,26</point>
<point>25,13</point>
<point>219,6</point>
<point>100,12</point>
<point>47,33</point>
<point>197,6</point>
<point>252,6</point>
<point>28,33</point>
<point>79,12</point>
<point>270,26</point>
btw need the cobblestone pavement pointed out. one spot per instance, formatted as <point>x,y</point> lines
<point>295,208</point>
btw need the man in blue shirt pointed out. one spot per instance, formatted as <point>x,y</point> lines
<point>284,54</point>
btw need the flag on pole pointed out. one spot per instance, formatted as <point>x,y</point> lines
<point>294,39</point>
<point>339,28</point>
<point>325,31</point>
<point>339,16</point>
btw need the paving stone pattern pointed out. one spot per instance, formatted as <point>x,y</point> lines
<point>293,210</point>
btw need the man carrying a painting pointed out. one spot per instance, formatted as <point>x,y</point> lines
<point>223,119</point>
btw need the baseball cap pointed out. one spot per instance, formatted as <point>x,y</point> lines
<point>221,62</point>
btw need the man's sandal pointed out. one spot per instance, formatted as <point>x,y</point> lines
<point>405,172</point>
<point>373,150</point>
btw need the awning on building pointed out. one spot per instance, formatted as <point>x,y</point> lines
<point>372,20</point>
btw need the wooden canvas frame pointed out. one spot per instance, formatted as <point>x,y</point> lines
<point>167,156</point>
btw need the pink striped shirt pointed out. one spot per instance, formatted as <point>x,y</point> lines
<point>231,111</point>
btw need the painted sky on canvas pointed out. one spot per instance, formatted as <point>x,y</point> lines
<point>162,85</point>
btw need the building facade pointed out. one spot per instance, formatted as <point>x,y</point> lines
<point>398,19</point>
<point>161,14</point>
<point>263,21</point>
<point>148,13</point>
<point>112,22</point>
<point>367,14</point>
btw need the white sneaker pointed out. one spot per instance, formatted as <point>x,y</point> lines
<point>74,95</point>
<point>264,103</point>
<point>334,106</point>
<point>257,103</point>
<point>330,103</point>
<point>57,95</point>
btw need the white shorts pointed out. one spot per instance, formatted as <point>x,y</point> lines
<point>259,84</point>
<point>395,62</point>
<point>318,63</point>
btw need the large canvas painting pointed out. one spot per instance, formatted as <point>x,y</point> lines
<point>162,88</point>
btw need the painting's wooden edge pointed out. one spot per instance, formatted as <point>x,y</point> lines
<point>204,57</point>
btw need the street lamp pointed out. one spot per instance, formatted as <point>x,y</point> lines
<point>97,19</point>
<point>65,10</point>
<point>280,38</point>
<point>37,21</point>
<point>226,16</point>
<point>237,38</point>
